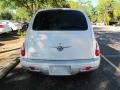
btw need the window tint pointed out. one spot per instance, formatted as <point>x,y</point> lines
<point>60,20</point>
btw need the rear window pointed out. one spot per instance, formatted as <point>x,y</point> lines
<point>60,20</point>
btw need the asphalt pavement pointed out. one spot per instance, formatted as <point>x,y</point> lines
<point>105,78</point>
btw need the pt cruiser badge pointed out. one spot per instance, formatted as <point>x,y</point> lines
<point>60,47</point>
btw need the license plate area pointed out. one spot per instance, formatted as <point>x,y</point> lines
<point>59,70</point>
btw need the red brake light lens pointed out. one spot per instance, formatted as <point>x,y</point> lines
<point>1,26</point>
<point>97,51</point>
<point>88,68</point>
<point>22,52</point>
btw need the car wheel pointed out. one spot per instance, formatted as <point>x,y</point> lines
<point>12,30</point>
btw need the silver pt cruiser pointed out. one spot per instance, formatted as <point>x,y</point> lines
<point>60,42</point>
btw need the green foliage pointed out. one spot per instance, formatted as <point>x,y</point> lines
<point>84,5</point>
<point>93,14</point>
<point>74,5</point>
<point>109,11</point>
<point>117,10</point>
<point>33,5</point>
<point>29,7</point>
<point>21,14</point>
<point>106,11</point>
<point>6,15</point>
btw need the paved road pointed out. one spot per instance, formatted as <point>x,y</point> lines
<point>105,78</point>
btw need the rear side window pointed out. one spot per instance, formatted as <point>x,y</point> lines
<point>59,20</point>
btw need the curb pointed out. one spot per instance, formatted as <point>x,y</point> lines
<point>9,50</point>
<point>4,72</point>
<point>107,28</point>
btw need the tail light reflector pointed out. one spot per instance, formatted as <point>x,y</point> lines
<point>88,68</point>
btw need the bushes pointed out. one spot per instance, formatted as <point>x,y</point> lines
<point>6,16</point>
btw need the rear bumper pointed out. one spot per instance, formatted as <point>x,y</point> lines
<point>75,66</point>
<point>4,31</point>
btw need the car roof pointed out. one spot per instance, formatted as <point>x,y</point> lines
<point>60,9</point>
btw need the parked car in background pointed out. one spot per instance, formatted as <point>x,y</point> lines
<point>25,25</point>
<point>117,24</point>
<point>57,44</point>
<point>14,25</point>
<point>4,28</point>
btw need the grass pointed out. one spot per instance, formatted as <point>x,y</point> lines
<point>21,32</point>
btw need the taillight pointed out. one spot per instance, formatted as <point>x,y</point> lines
<point>88,68</point>
<point>22,52</point>
<point>97,51</point>
<point>1,26</point>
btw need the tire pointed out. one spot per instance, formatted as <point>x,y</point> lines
<point>12,30</point>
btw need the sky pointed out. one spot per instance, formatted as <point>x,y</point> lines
<point>94,2</point>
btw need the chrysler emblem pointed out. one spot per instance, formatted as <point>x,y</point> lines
<point>60,47</point>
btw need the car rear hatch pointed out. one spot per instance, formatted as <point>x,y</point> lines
<point>59,35</point>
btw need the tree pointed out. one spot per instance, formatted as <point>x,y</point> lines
<point>32,6</point>
<point>117,10</point>
<point>21,14</point>
<point>6,16</point>
<point>73,4</point>
<point>93,14</point>
<point>109,10</point>
<point>84,5</point>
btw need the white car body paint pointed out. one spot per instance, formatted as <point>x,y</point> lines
<point>41,50</point>
<point>13,25</point>
<point>5,29</point>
